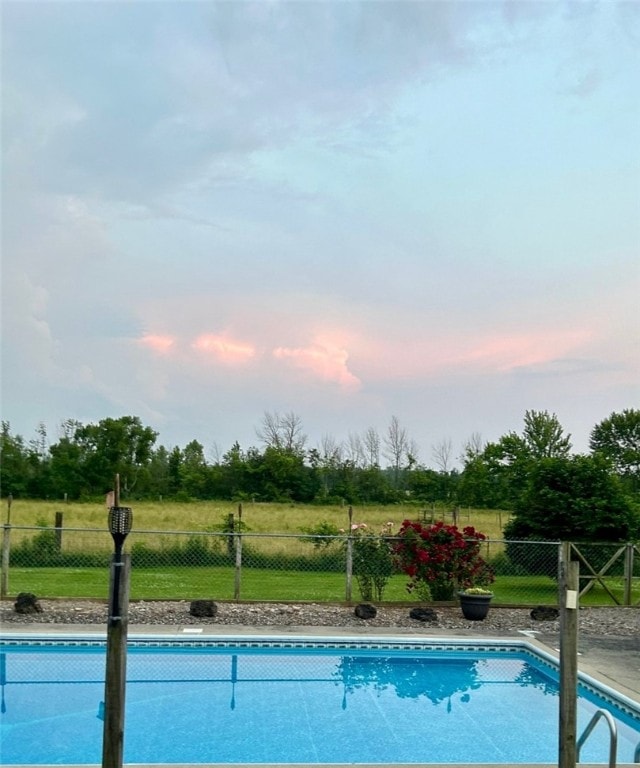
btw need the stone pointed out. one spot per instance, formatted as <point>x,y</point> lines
<point>544,613</point>
<point>423,614</point>
<point>203,608</point>
<point>365,611</point>
<point>27,602</point>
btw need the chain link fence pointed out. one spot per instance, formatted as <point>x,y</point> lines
<point>186,565</point>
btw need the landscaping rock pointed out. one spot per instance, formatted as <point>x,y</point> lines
<point>203,608</point>
<point>366,611</point>
<point>424,614</point>
<point>544,613</point>
<point>614,621</point>
<point>27,602</point>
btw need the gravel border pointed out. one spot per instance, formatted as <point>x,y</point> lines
<point>601,621</point>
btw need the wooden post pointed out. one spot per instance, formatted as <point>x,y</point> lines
<point>231,528</point>
<point>568,584</point>
<point>6,549</point>
<point>58,527</point>
<point>3,680</point>
<point>9,502</point>
<point>628,573</point>
<point>348,590</point>
<point>117,624</point>
<point>116,670</point>
<point>238,571</point>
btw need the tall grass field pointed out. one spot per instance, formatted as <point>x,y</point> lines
<point>256,517</point>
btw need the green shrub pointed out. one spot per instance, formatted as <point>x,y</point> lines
<point>322,536</point>
<point>39,551</point>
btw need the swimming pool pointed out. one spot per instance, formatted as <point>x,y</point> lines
<point>297,700</point>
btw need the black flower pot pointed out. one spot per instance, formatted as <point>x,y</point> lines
<point>474,607</point>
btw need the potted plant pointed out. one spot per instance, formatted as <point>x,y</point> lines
<point>475,602</point>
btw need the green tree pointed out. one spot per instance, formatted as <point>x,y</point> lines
<point>543,436</point>
<point>13,462</point>
<point>175,477</point>
<point>156,481</point>
<point>501,471</point>
<point>193,471</point>
<point>429,486</point>
<point>229,477</point>
<point>326,462</point>
<point>285,477</point>
<point>66,471</point>
<point>87,457</point>
<point>618,439</point>
<point>371,486</point>
<point>573,499</point>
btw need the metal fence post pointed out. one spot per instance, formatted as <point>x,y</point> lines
<point>568,582</point>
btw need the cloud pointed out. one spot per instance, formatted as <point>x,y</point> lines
<point>142,99</point>
<point>159,344</point>
<point>506,352</point>
<point>388,355</point>
<point>567,367</point>
<point>223,349</point>
<point>323,359</point>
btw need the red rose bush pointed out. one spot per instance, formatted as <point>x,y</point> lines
<point>441,559</point>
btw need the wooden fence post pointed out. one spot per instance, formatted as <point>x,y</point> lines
<point>6,549</point>
<point>238,570</point>
<point>116,669</point>
<point>628,572</point>
<point>348,589</point>
<point>58,531</point>
<point>231,528</point>
<point>568,584</point>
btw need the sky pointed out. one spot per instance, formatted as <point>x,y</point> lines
<point>348,211</point>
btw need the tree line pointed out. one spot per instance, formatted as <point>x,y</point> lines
<point>371,467</point>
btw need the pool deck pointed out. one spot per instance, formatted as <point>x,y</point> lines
<point>614,662</point>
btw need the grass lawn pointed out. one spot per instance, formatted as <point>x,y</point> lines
<point>189,583</point>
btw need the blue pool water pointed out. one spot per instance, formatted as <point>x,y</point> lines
<point>331,701</point>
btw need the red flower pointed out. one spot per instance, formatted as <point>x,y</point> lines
<point>441,556</point>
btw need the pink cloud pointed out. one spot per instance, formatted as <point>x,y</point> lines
<point>158,343</point>
<point>441,353</point>
<point>323,359</point>
<point>225,350</point>
<point>507,352</point>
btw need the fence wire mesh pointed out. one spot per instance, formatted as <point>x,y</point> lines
<point>186,565</point>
